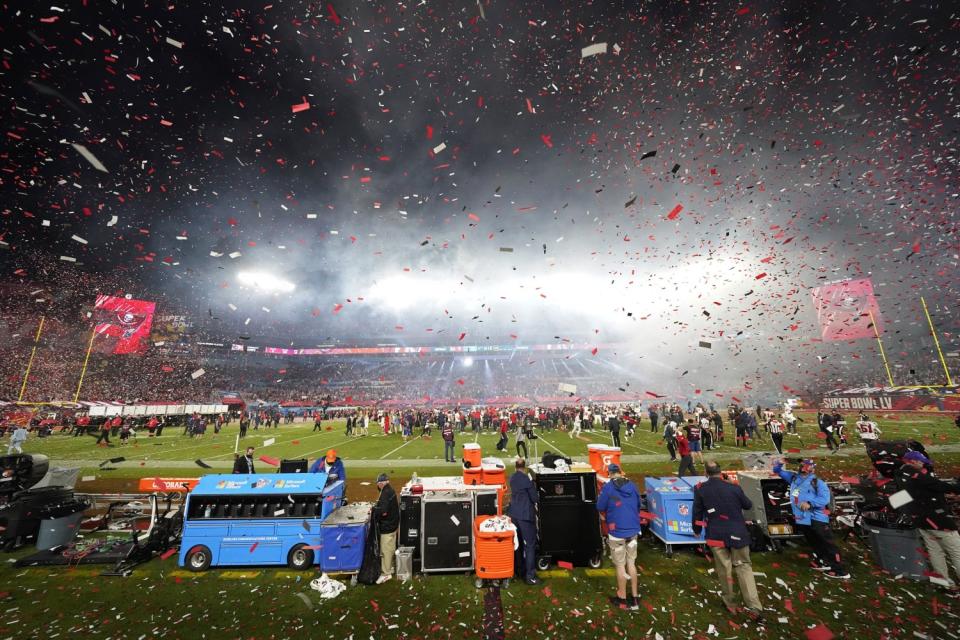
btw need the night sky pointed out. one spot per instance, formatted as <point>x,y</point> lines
<point>444,168</point>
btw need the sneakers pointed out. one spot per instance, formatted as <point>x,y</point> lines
<point>383,578</point>
<point>837,576</point>
<point>634,603</point>
<point>819,567</point>
<point>619,603</point>
<point>755,616</point>
<point>533,581</point>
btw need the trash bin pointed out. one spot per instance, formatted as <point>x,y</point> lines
<point>404,563</point>
<point>896,548</point>
<point>58,532</point>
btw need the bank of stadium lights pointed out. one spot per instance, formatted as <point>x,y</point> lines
<point>265,282</point>
<point>467,362</point>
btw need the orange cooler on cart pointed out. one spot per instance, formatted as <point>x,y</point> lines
<point>471,454</point>
<point>608,456</point>
<point>472,475</point>
<point>494,474</point>
<point>494,553</point>
<point>593,450</point>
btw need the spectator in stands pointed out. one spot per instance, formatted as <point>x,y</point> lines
<point>619,502</point>
<point>244,463</point>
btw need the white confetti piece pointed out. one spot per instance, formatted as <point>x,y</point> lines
<point>68,259</point>
<point>92,159</point>
<point>235,255</point>
<point>440,147</point>
<point>196,374</point>
<point>594,49</point>
<point>78,239</point>
<point>900,498</point>
<point>269,441</point>
<point>113,221</point>
<point>455,521</point>
<point>175,43</point>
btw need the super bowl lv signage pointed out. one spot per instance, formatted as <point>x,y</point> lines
<point>122,325</point>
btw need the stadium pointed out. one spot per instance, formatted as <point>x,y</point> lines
<point>402,321</point>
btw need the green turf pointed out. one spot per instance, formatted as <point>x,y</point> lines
<point>160,600</point>
<point>679,601</point>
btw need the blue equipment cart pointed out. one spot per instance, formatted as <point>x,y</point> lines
<point>244,520</point>
<point>670,501</point>
<point>343,536</point>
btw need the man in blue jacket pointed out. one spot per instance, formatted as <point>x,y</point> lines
<point>810,500</point>
<point>619,502</point>
<point>718,505</point>
<point>332,465</point>
<point>523,501</point>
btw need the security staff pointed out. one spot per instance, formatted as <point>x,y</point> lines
<point>523,502</point>
<point>718,505</point>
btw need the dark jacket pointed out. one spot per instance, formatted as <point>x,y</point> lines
<point>523,497</point>
<point>243,464</point>
<point>928,508</point>
<point>718,506</point>
<point>619,501</point>
<point>387,511</point>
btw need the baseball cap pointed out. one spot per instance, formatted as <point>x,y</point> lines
<point>613,468</point>
<point>383,478</point>
<point>916,456</point>
<point>808,462</point>
<point>331,456</point>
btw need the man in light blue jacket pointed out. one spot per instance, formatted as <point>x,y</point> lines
<point>810,501</point>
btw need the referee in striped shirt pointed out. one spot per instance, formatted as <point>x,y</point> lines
<point>775,428</point>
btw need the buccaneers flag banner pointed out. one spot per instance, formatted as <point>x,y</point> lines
<point>123,323</point>
<point>844,309</point>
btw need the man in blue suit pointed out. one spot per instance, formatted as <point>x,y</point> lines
<point>718,505</point>
<point>523,501</point>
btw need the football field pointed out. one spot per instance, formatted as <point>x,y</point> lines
<point>176,454</point>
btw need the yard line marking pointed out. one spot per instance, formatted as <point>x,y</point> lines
<point>641,448</point>
<point>307,455</point>
<point>553,445</point>
<point>400,447</point>
<point>230,453</point>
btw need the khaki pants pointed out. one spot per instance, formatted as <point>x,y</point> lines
<point>941,544</point>
<point>388,547</point>
<point>728,562</point>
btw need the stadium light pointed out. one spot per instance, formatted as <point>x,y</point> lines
<point>266,282</point>
<point>467,362</point>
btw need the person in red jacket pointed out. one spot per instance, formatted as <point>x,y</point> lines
<point>152,425</point>
<point>686,459</point>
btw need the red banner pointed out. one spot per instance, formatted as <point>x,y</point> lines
<point>844,309</point>
<point>123,323</point>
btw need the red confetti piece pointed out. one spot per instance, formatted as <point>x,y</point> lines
<point>169,552</point>
<point>273,462</point>
<point>462,336</point>
<point>429,132</point>
<point>303,106</point>
<point>253,546</point>
<point>819,632</point>
<point>547,140</point>
<point>760,276</point>
<point>743,11</point>
<point>563,564</point>
<point>675,212</point>
<point>333,14</point>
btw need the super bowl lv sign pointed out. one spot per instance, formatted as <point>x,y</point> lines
<point>124,323</point>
